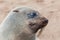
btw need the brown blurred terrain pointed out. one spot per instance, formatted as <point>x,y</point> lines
<point>48,8</point>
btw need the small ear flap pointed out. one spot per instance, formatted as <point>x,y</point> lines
<point>15,11</point>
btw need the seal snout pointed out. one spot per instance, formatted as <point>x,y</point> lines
<point>38,24</point>
<point>44,21</point>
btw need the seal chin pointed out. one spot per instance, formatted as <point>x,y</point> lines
<point>38,25</point>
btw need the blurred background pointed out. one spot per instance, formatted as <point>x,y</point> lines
<point>48,8</point>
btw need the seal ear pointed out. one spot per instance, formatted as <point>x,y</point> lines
<point>15,11</point>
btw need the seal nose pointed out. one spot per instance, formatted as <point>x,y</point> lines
<point>46,21</point>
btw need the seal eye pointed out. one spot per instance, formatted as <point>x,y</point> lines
<point>32,15</point>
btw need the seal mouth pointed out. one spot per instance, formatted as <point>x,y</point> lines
<point>38,25</point>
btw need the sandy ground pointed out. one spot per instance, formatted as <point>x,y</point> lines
<point>48,8</point>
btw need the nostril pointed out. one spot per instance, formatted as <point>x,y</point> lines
<point>46,21</point>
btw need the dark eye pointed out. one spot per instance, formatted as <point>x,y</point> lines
<point>32,15</point>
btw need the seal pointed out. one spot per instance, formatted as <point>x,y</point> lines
<point>22,24</point>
